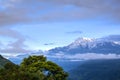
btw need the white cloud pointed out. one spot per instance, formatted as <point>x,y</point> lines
<point>54,10</point>
<point>16,46</point>
<point>85,56</point>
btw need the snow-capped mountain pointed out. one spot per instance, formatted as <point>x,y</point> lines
<point>80,49</point>
<point>82,42</point>
<point>88,45</point>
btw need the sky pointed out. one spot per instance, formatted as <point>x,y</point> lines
<point>28,25</point>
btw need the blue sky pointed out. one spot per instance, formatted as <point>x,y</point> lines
<point>27,25</point>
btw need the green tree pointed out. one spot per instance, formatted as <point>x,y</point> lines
<point>33,68</point>
<point>46,70</point>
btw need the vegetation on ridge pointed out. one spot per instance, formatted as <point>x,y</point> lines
<point>33,68</point>
<point>97,70</point>
<point>3,61</point>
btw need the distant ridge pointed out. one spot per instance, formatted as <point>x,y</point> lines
<point>97,70</point>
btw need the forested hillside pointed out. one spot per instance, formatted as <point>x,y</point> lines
<point>3,61</point>
<point>97,70</point>
<point>32,68</point>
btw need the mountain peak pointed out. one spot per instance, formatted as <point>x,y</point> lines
<point>81,42</point>
<point>83,39</point>
<point>90,45</point>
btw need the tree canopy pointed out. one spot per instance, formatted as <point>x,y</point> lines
<point>33,68</point>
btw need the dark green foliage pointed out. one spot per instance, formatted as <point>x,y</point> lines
<point>97,70</point>
<point>3,61</point>
<point>47,70</point>
<point>33,68</point>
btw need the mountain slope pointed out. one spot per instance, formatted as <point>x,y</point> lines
<point>3,61</point>
<point>97,70</point>
<point>86,45</point>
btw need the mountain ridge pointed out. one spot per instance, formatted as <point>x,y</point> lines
<point>87,45</point>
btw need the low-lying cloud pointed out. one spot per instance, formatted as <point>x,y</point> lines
<point>85,56</point>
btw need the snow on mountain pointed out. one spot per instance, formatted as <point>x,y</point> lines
<point>80,49</point>
<point>88,45</point>
<point>116,42</point>
<point>83,42</point>
<point>87,49</point>
<point>91,43</point>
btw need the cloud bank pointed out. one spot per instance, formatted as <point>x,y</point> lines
<point>85,56</point>
<point>27,11</point>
